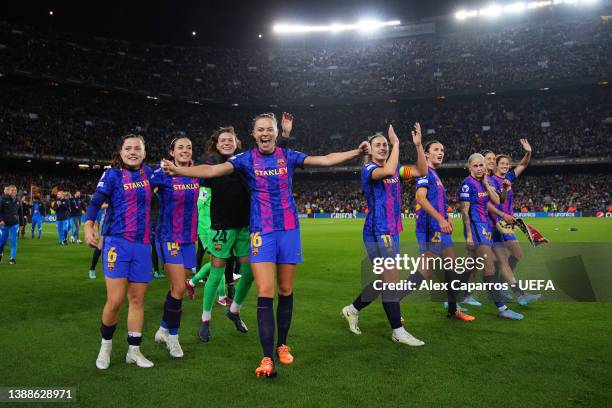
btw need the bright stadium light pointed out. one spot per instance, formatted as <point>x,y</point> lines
<point>366,25</point>
<point>515,7</point>
<point>491,11</point>
<point>538,4</point>
<point>495,10</point>
<point>463,14</point>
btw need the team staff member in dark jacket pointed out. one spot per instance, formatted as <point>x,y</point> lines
<point>10,214</point>
<point>62,214</point>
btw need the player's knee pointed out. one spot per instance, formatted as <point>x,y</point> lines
<point>265,290</point>
<point>178,290</point>
<point>285,289</point>
<point>136,300</point>
<point>114,304</point>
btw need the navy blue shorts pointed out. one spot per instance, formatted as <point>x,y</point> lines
<point>126,259</point>
<point>481,233</point>
<point>280,247</point>
<point>434,241</point>
<point>177,254</point>
<point>381,246</point>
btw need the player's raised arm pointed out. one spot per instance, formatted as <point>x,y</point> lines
<point>526,158</point>
<point>390,166</point>
<point>334,159</point>
<point>205,171</point>
<point>421,166</point>
<point>286,126</point>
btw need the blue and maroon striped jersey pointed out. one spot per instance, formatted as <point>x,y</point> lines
<point>497,182</point>
<point>384,202</point>
<point>436,195</point>
<point>474,191</point>
<point>270,178</point>
<point>178,207</point>
<point>128,194</point>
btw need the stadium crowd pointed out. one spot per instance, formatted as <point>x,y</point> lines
<point>582,192</point>
<point>47,120</point>
<point>480,58</point>
<point>588,192</point>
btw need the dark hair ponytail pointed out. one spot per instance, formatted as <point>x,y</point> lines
<point>117,161</point>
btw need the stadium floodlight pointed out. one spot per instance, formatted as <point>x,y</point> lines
<point>366,25</point>
<point>463,14</point>
<point>491,11</point>
<point>515,7</point>
<point>538,4</point>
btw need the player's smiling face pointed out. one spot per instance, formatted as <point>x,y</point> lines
<point>226,144</point>
<point>182,152</point>
<point>477,169</point>
<point>490,162</point>
<point>265,132</point>
<point>380,149</point>
<point>132,153</point>
<point>435,155</point>
<point>12,191</point>
<point>503,166</point>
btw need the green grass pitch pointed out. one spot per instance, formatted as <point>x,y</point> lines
<point>559,356</point>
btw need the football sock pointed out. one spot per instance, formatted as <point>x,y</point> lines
<point>494,294</point>
<point>284,312</point>
<point>368,295</point>
<point>416,279</point>
<point>202,273</point>
<point>212,284</point>
<point>265,323</point>
<point>172,313</point>
<point>94,259</point>
<point>515,288</point>
<point>134,338</point>
<point>243,287</point>
<point>221,289</point>
<point>449,276</point>
<point>392,309</point>
<point>512,261</point>
<point>107,331</point>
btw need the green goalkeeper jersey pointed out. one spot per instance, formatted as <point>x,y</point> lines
<point>204,212</point>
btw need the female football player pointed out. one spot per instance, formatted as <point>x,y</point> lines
<point>275,235</point>
<point>126,255</point>
<point>475,194</point>
<point>228,234</point>
<point>502,180</point>
<point>381,184</point>
<point>176,238</point>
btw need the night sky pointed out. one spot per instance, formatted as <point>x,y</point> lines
<point>220,22</point>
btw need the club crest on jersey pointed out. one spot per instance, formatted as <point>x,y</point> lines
<point>218,247</point>
<point>255,251</point>
<point>280,162</point>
